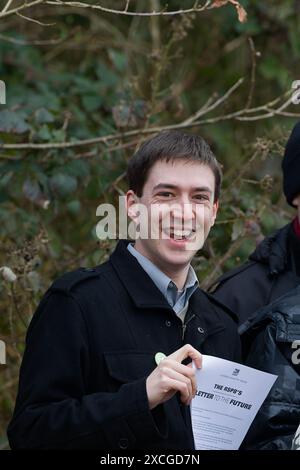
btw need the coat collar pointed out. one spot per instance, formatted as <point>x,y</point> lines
<point>273,251</point>
<point>145,294</point>
<point>137,282</point>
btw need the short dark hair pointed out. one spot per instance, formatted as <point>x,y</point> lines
<point>170,146</point>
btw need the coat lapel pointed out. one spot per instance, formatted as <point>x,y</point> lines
<point>136,281</point>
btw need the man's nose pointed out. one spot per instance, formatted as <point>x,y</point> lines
<point>184,211</point>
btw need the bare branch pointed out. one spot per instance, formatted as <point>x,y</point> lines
<point>155,31</point>
<point>127,5</point>
<point>253,72</point>
<point>20,8</point>
<point>194,9</point>
<point>263,112</point>
<point>164,12</point>
<point>7,6</point>
<point>33,20</point>
<point>205,110</point>
<point>42,42</point>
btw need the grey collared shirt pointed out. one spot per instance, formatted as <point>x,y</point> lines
<point>178,299</point>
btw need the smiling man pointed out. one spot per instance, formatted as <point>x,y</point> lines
<point>108,354</point>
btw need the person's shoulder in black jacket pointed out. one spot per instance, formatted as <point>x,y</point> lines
<point>268,274</point>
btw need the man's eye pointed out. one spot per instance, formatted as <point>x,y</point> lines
<point>165,194</point>
<point>201,197</point>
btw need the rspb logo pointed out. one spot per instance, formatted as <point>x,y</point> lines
<point>236,372</point>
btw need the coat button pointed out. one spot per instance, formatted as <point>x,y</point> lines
<point>123,443</point>
<point>168,323</point>
<point>200,330</point>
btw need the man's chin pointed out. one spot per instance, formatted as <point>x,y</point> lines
<point>177,257</point>
<point>186,248</point>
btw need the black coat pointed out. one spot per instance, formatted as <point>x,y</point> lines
<point>267,342</point>
<point>269,325</point>
<point>271,271</point>
<point>89,348</point>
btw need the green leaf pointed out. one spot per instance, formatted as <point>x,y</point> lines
<point>271,68</point>
<point>43,116</point>
<point>106,76</point>
<point>59,135</point>
<point>62,184</point>
<point>44,133</point>
<point>12,122</point>
<point>119,59</point>
<point>74,207</point>
<point>93,190</point>
<point>5,179</point>
<point>77,168</point>
<point>91,102</point>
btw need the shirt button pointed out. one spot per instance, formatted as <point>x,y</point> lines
<point>200,330</point>
<point>123,443</point>
<point>168,323</point>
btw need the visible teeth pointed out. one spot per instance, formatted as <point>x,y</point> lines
<point>181,234</point>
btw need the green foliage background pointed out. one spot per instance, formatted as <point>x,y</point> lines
<point>91,74</point>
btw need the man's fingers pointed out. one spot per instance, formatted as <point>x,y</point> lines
<point>179,386</point>
<point>187,351</point>
<point>182,370</point>
<point>171,373</point>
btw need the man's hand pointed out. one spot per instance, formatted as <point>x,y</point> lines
<point>170,377</point>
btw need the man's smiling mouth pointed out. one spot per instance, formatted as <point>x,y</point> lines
<point>178,234</point>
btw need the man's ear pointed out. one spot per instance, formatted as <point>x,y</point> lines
<point>131,201</point>
<point>296,201</point>
<point>214,212</point>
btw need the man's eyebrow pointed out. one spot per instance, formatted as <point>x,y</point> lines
<point>201,189</point>
<point>165,185</point>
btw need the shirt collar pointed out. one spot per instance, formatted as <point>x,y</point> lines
<point>163,282</point>
<point>147,296</point>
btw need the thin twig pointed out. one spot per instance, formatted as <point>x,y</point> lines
<point>253,72</point>
<point>7,6</point>
<point>127,5</point>
<point>131,13</point>
<point>205,110</point>
<point>42,42</point>
<point>13,294</point>
<point>20,8</point>
<point>218,267</point>
<point>33,20</point>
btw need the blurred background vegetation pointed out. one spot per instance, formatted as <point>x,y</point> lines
<point>74,73</point>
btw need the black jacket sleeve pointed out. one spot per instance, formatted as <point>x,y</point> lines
<point>53,408</point>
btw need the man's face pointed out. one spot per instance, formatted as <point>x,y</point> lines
<point>179,197</point>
